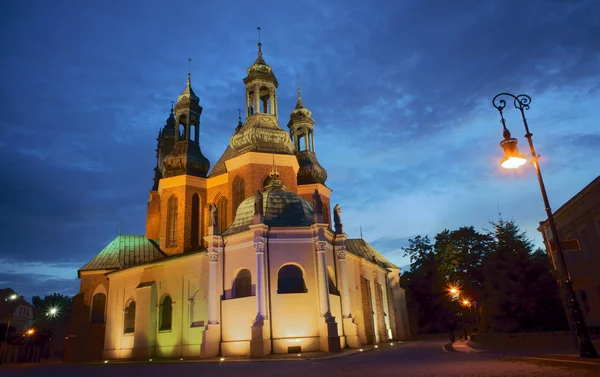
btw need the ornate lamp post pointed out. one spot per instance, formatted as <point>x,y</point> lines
<point>512,160</point>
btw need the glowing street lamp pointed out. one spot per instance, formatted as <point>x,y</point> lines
<point>30,332</point>
<point>466,302</point>
<point>52,312</point>
<point>13,297</point>
<point>512,160</point>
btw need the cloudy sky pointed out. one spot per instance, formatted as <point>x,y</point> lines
<point>400,90</point>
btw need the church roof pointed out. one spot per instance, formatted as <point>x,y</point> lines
<point>220,167</point>
<point>362,249</point>
<point>281,208</point>
<point>127,250</point>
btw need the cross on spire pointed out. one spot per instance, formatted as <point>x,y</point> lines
<point>189,65</point>
<point>239,113</point>
<point>259,44</point>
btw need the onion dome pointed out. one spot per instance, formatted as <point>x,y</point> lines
<point>186,158</point>
<point>261,133</point>
<point>260,69</point>
<point>281,208</point>
<point>169,128</point>
<point>310,170</point>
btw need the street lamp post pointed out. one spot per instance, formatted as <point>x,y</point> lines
<point>512,159</point>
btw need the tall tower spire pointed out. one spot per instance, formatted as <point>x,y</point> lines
<point>261,131</point>
<point>186,157</point>
<point>301,127</point>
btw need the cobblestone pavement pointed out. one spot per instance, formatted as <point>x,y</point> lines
<point>425,358</point>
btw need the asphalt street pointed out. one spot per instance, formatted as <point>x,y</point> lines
<point>420,358</point>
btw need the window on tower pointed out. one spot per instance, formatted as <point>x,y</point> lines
<point>195,220</point>
<point>172,222</point>
<point>238,192</point>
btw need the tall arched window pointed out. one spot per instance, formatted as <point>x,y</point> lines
<point>195,220</point>
<point>172,221</point>
<point>222,213</point>
<point>242,286</point>
<point>166,314</point>
<point>290,280</point>
<point>129,322</point>
<point>98,306</point>
<point>238,192</point>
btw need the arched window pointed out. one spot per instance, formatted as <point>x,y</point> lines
<point>242,286</point>
<point>222,213</point>
<point>195,220</point>
<point>98,306</point>
<point>166,314</point>
<point>172,222</point>
<point>290,280</point>
<point>331,282</point>
<point>129,323</point>
<point>238,192</point>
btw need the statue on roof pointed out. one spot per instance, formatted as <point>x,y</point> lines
<point>337,219</point>
<point>258,203</point>
<point>317,202</point>
<point>212,218</point>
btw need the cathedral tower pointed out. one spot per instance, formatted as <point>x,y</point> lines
<point>258,142</point>
<point>182,186</point>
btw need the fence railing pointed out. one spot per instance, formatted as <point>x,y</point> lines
<point>10,354</point>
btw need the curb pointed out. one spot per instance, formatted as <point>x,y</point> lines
<point>556,362</point>
<point>447,347</point>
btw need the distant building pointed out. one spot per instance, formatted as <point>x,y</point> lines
<point>579,219</point>
<point>18,310</point>
<point>241,260</point>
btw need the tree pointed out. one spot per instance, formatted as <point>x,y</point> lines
<point>518,284</point>
<point>429,310</point>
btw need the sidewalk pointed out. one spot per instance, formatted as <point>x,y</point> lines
<point>564,360</point>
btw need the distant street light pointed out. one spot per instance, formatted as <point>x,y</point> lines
<point>12,297</point>
<point>512,160</point>
<point>30,332</point>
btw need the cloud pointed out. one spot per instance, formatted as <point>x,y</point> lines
<point>400,94</point>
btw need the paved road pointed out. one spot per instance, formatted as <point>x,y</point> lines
<point>416,359</point>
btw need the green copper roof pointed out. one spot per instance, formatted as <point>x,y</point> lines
<point>127,250</point>
<point>361,248</point>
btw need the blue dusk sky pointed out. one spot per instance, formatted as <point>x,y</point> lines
<point>400,91</point>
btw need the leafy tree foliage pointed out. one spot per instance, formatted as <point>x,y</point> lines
<point>512,285</point>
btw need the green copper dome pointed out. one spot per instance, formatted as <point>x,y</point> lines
<point>281,208</point>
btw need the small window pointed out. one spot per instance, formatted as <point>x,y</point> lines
<point>98,305</point>
<point>166,314</point>
<point>129,325</point>
<point>290,280</point>
<point>242,286</point>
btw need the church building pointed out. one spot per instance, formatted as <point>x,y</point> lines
<point>244,259</point>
